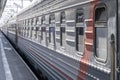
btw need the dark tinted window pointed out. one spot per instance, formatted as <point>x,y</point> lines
<point>63,17</point>
<point>79,38</point>
<point>52,17</point>
<point>31,21</point>
<point>100,14</point>
<point>51,34</point>
<point>62,36</point>
<point>79,16</point>
<point>79,30</point>
<point>43,29</point>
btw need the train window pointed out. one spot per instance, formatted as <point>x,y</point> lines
<point>79,38</point>
<point>24,22</point>
<point>31,21</point>
<point>79,30</point>
<point>37,19</point>
<point>43,20</point>
<point>34,21</point>
<point>43,29</point>
<point>52,29</point>
<point>101,33</point>
<point>51,34</point>
<point>101,14</point>
<point>62,29</point>
<point>27,31</point>
<point>62,17</point>
<point>52,19</point>
<point>79,16</point>
<point>32,28</point>
<point>27,21</point>
<point>62,35</point>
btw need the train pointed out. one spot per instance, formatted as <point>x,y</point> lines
<point>69,39</point>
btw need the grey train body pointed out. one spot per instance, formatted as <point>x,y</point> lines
<point>68,39</point>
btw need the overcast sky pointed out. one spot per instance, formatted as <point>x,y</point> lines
<point>11,8</point>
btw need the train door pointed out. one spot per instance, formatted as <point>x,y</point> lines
<point>105,36</point>
<point>118,44</point>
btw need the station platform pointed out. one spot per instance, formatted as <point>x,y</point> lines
<point>12,67</point>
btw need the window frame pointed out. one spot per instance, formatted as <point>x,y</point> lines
<point>102,5</point>
<point>81,22</point>
<point>51,21</point>
<point>62,21</point>
<point>43,29</point>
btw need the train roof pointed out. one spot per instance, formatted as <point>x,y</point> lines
<point>43,7</point>
<point>30,6</point>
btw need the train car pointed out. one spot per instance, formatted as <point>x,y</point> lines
<point>71,39</point>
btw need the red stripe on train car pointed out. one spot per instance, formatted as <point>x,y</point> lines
<point>88,43</point>
<point>55,68</point>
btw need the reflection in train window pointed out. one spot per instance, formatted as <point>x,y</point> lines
<point>62,29</point>
<point>79,16</point>
<point>101,33</point>
<point>101,14</point>
<point>79,30</point>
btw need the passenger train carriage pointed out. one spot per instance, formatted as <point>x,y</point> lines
<point>70,39</point>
